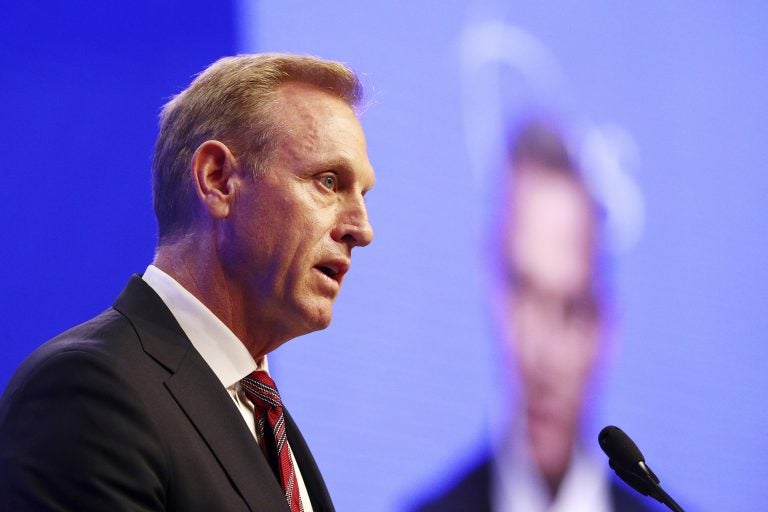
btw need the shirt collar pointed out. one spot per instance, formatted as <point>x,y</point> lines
<point>518,485</point>
<point>216,343</point>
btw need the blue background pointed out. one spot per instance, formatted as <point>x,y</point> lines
<point>409,361</point>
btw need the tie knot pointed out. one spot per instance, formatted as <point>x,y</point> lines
<point>261,389</point>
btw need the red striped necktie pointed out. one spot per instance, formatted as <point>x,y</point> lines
<point>261,390</point>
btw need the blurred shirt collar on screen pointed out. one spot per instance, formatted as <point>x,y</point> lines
<point>518,487</point>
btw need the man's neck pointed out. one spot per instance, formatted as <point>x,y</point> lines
<point>195,266</point>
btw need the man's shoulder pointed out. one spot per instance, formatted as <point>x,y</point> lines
<point>76,415</point>
<point>93,335</point>
<point>469,490</point>
<point>105,338</point>
<point>101,335</point>
<point>114,337</point>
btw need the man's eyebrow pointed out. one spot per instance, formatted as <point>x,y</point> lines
<point>331,164</point>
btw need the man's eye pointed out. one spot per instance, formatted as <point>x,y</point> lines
<point>329,182</point>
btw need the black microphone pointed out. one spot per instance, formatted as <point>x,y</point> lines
<point>625,459</point>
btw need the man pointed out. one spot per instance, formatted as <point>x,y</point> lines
<point>549,313</point>
<point>163,402</point>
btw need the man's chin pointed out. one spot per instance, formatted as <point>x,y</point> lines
<point>319,316</point>
<point>323,322</point>
<point>548,436</point>
<point>305,314</point>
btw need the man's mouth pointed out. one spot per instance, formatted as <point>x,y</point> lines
<point>328,270</point>
<point>333,269</point>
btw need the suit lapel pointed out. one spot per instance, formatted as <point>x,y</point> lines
<point>200,394</point>
<point>210,408</point>
<point>313,479</point>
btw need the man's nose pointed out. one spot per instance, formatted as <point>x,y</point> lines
<point>354,229</point>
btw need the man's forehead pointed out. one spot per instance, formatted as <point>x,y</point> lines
<point>320,130</point>
<point>305,107</point>
<point>550,236</point>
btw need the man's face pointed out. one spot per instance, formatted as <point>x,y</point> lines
<point>553,316</point>
<point>289,239</point>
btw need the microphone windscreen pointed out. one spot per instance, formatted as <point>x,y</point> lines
<point>619,448</point>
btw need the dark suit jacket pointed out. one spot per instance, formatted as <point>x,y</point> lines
<point>472,493</point>
<point>122,413</point>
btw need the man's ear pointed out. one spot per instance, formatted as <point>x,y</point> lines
<point>214,170</point>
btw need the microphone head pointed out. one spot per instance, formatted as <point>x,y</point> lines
<point>619,448</point>
<point>625,459</point>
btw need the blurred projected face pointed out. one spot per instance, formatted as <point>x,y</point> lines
<point>553,317</point>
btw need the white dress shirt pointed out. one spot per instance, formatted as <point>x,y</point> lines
<point>218,346</point>
<point>518,486</point>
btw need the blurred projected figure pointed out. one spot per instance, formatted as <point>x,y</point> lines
<point>550,321</point>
